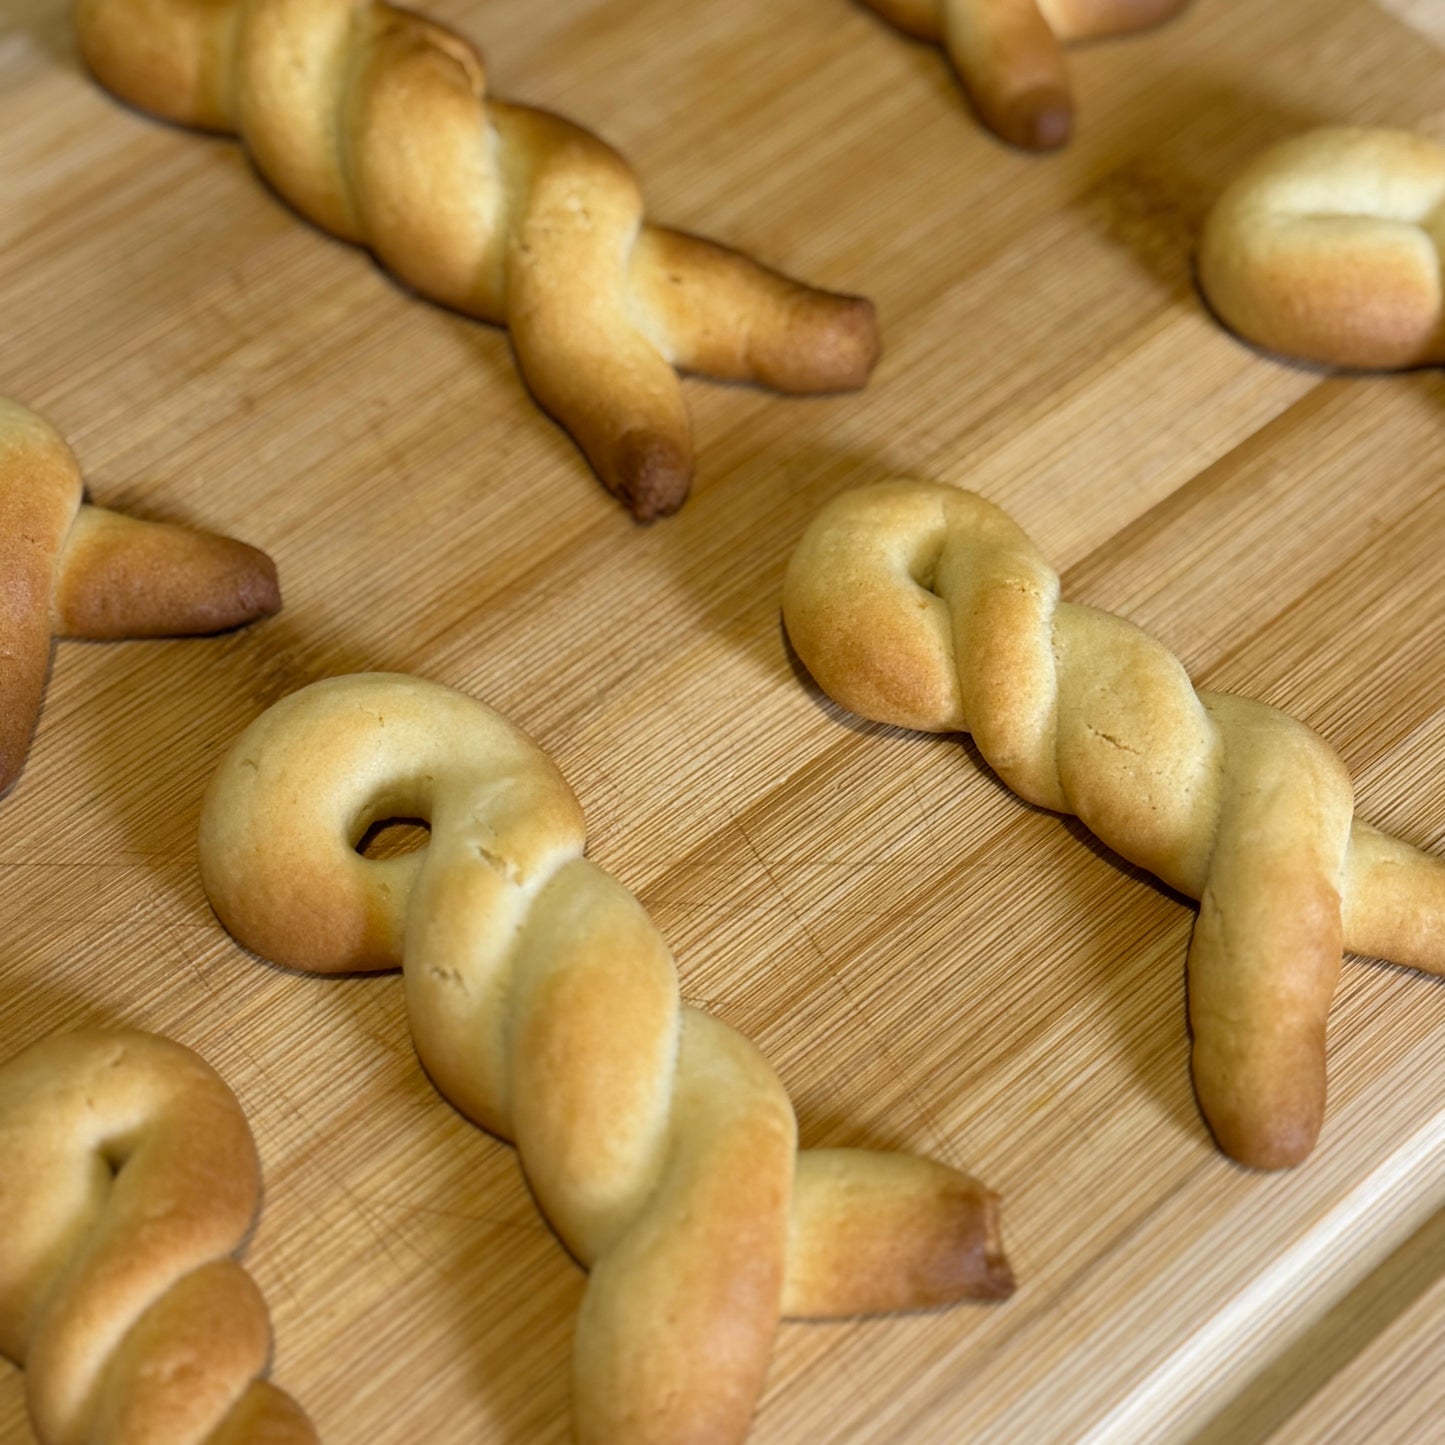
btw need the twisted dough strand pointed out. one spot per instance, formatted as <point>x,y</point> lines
<point>923,606</point>
<point>72,570</point>
<point>376,125</point>
<point>1331,247</point>
<point>130,1179</point>
<point>544,1005</point>
<point>1009,54</point>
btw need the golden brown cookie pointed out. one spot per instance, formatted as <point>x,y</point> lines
<point>544,1004</point>
<point>927,607</point>
<point>1009,54</point>
<point>129,1181</point>
<point>1331,247</point>
<point>376,124</point>
<point>72,570</point>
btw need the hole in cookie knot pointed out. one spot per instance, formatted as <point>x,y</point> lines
<point>390,837</point>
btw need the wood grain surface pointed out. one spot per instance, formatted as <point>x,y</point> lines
<point>929,963</point>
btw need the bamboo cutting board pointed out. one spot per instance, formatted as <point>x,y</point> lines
<point>930,964</point>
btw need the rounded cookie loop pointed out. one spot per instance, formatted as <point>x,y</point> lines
<point>923,606</point>
<point>544,1004</point>
<point>1009,54</point>
<point>68,569</point>
<point>1330,248</point>
<point>376,125</point>
<point>130,1181</point>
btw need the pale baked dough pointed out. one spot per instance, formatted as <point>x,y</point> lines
<point>129,1180</point>
<point>375,124</point>
<point>1009,54</point>
<point>1329,248</point>
<point>923,606</point>
<point>544,1004</point>
<point>72,570</point>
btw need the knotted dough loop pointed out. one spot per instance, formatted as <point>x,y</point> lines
<point>73,570</point>
<point>1330,247</point>
<point>1009,54</point>
<point>130,1179</point>
<point>376,125</point>
<point>924,606</point>
<point>544,1004</point>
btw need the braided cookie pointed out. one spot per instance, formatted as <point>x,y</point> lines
<point>1009,54</point>
<point>130,1180</point>
<point>72,570</point>
<point>923,606</point>
<point>1329,248</point>
<point>376,125</point>
<point>544,1004</point>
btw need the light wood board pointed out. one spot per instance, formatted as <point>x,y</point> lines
<point>930,964</point>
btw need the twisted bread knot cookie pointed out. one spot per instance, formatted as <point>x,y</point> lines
<point>1329,247</point>
<point>926,607</point>
<point>544,1004</point>
<point>130,1179</point>
<point>1009,54</point>
<point>375,124</point>
<point>72,570</point>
